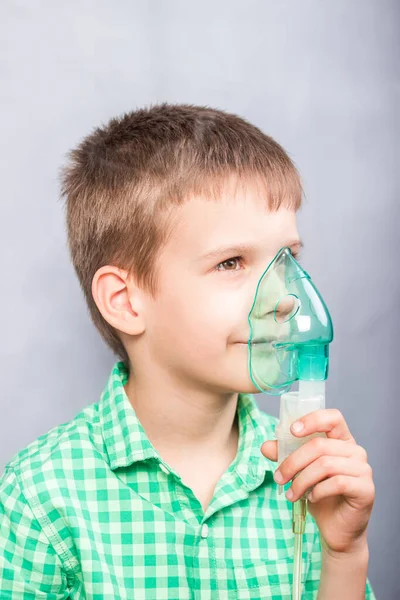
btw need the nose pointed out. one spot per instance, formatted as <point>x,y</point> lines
<point>286,308</point>
<point>272,299</point>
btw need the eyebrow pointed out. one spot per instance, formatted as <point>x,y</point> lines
<point>242,248</point>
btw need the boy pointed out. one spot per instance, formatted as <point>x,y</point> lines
<point>165,487</point>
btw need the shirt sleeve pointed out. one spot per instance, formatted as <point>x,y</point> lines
<point>29,566</point>
<point>314,574</point>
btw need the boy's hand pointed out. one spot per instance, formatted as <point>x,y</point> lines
<point>344,493</point>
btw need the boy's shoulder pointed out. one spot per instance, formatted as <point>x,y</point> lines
<point>81,434</point>
<point>66,440</point>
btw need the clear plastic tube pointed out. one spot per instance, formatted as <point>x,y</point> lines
<point>297,584</point>
<point>299,515</point>
<point>294,405</point>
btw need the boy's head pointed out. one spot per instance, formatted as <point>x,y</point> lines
<point>152,200</point>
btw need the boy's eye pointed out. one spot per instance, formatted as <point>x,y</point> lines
<point>234,263</point>
<point>230,264</point>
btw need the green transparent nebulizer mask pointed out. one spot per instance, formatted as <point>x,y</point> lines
<point>290,333</point>
<point>290,328</point>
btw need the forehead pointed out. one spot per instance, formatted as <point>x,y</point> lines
<point>240,215</point>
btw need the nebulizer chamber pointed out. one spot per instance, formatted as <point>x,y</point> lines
<point>290,333</point>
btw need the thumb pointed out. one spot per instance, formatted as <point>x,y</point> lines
<point>270,449</point>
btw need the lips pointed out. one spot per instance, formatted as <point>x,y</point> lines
<point>260,341</point>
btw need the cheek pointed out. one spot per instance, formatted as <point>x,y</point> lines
<point>220,313</point>
<point>200,316</point>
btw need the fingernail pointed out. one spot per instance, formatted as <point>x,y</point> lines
<point>289,494</point>
<point>278,476</point>
<point>297,426</point>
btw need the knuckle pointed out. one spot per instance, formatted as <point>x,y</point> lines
<point>318,444</point>
<point>362,453</point>
<point>373,492</point>
<point>326,462</point>
<point>369,494</point>
<point>367,470</point>
<point>336,413</point>
<point>341,483</point>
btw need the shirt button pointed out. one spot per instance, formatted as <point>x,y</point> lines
<point>204,530</point>
<point>164,468</point>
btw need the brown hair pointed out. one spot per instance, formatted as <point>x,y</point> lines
<point>124,177</point>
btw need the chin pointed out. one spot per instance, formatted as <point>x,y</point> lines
<point>249,389</point>
<point>242,385</point>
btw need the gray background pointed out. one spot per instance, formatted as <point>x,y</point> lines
<point>321,77</point>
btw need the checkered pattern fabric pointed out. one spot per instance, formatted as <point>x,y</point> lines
<point>91,511</point>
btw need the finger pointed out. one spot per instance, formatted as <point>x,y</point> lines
<point>328,420</point>
<point>360,490</point>
<point>322,468</point>
<point>270,449</point>
<point>309,452</point>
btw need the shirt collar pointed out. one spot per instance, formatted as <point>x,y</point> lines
<point>126,441</point>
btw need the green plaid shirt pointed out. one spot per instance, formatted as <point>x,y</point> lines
<point>91,511</point>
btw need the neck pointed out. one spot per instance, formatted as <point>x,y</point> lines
<point>179,418</point>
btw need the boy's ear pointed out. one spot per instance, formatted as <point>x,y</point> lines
<point>118,300</point>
